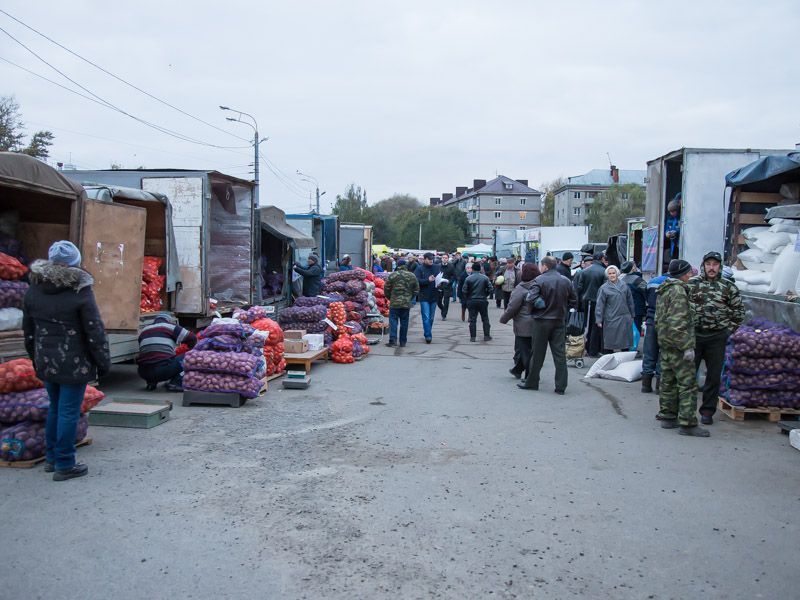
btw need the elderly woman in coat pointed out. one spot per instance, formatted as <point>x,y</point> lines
<point>520,311</point>
<point>65,338</point>
<point>614,312</point>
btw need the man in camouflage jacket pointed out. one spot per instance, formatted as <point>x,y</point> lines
<point>718,312</point>
<point>400,289</point>
<point>675,330</point>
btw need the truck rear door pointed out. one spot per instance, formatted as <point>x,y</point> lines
<point>112,245</point>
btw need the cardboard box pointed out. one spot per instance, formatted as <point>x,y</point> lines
<point>294,334</point>
<point>295,346</point>
<point>316,341</point>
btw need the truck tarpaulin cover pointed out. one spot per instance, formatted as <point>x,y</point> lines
<point>764,169</point>
<point>229,258</point>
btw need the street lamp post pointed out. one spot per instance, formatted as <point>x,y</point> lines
<point>313,180</point>
<point>256,142</point>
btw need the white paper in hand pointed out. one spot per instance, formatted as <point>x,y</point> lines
<point>440,280</point>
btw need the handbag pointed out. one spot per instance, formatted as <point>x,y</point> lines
<point>576,323</point>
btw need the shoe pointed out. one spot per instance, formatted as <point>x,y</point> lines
<point>647,383</point>
<point>487,338</point>
<point>79,470</point>
<point>516,374</point>
<point>427,340</point>
<point>402,345</point>
<point>559,392</point>
<point>471,339</point>
<point>49,467</point>
<point>171,387</point>
<point>694,431</point>
<point>521,385</point>
<point>390,344</point>
<point>151,387</point>
<point>444,318</point>
<point>706,419</point>
<point>669,423</point>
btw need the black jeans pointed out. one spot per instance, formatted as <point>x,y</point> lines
<point>710,346</point>
<point>476,307</point>
<point>594,334</point>
<point>550,332</point>
<point>502,297</point>
<point>444,302</point>
<point>167,370</point>
<point>523,349</point>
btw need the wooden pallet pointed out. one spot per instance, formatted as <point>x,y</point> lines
<point>306,358</point>
<point>276,375</point>
<point>772,413</point>
<point>28,464</point>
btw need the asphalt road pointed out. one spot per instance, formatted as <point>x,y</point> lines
<point>416,473</point>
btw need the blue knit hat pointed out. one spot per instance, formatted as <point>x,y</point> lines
<point>65,253</point>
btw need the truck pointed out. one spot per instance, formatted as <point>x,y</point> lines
<point>324,229</point>
<point>535,243</point>
<point>698,174</point>
<point>215,224</point>
<point>504,241</point>
<point>355,239</point>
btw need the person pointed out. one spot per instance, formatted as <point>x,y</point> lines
<point>446,289</point>
<point>672,227</point>
<point>520,312</point>
<point>551,296</point>
<point>376,265</point>
<point>345,263</point>
<point>386,263</point>
<point>565,265</point>
<point>632,277</point>
<point>587,286</point>
<point>614,312</point>
<point>312,275</point>
<point>460,267</point>
<point>510,275</point>
<point>718,312</point>
<point>400,287</point>
<point>461,279</point>
<point>675,326</point>
<point>490,269</point>
<point>651,366</point>
<point>426,275</point>
<point>65,338</point>
<point>157,359</point>
<point>476,294</point>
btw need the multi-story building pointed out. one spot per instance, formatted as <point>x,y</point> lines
<point>502,203</point>
<point>573,200</point>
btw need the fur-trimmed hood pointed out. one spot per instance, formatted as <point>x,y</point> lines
<point>55,278</point>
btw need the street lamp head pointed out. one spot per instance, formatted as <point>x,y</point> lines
<point>322,194</point>
<point>231,119</point>
<point>224,107</point>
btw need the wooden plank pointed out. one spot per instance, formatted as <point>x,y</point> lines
<point>27,464</point>
<point>738,413</point>
<point>758,198</point>
<point>745,219</point>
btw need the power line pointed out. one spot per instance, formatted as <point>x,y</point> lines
<point>120,79</point>
<point>107,104</point>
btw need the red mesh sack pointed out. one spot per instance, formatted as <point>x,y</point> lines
<point>10,268</point>
<point>18,376</point>
<point>91,398</point>
<point>275,331</point>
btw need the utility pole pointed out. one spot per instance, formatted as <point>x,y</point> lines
<point>318,199</point>
<point>313,180</point>
<point>256,143</point>
<point>419,244</point>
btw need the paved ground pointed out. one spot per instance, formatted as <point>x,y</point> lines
<point>416,473</point>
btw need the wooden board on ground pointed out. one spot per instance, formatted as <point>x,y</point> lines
<point>306,358</point>
<point>276,375</point>
<point>28,464</point>
<point>772,413</point>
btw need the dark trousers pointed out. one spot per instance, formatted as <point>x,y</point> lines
<point>475,308</point>
<point>553,333</point>
<point>444,302</point>
<point>523,349</point>
<point>594,334</point>
<point>650,362</point>
<point>62,423</point>
<point>170,370</point>
<point>398,317</point>
<point>638,322</point>
<point>502,297</point>
<point>710,346</point>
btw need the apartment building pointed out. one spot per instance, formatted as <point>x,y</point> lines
<point>573,200</point>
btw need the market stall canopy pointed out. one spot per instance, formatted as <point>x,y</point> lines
<point>273,219</point>
<point>26,173</point>
<point>478,249</point>
<point>766,174</point>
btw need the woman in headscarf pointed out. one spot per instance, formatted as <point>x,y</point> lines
<point>66,339</point>
<point>520,311</point>
<point>614,312</point>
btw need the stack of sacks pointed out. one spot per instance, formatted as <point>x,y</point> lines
<point>228,358</point>
<point>353,286</point>
<point>12,291</point>
<point>380,297</point>
<point>772,265</point>
<point>346,342</point>
<point>24,405</point>
<point>273,349</point>
<point>310,318</point>
<point>762,366</point>
<point>152,284</point>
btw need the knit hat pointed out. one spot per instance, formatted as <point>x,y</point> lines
<point>64,253</point>
<point>313,257</point>
<point>567,256</point>
<point>401,262</point>
<point>598,256</point>
<point>678,268</point>
<point>428,256</point>
<point>627,266</point>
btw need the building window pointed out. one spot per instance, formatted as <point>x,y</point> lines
<point>497,214</point>
<point>522,227</point>
<point>591,194</point>
<point>522,201</point>
<point>522,215</point>
<point>509,186</point>
<point>576,195</point>
<point>624,195</point>
<point>576,211</point>
<point>588,210</point>
<point>462,205</point>
<point>498,200</point>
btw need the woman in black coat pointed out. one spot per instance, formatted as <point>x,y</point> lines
<point>66,339</point>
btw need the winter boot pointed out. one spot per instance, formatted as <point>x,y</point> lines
<point>694,431</point>
<point>669,423</point>
<point>647,383</point>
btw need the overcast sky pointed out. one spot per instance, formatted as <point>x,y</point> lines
<point>409,97</point>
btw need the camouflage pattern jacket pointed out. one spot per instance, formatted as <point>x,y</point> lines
<point>717,303</point>
<point>674,318</point>
<point>400,288</point>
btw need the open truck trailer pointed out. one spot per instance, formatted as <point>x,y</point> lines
<point>324,230</point>
<point>214,221</point>
<point>39,205</point>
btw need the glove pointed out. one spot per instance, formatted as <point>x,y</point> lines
<point>688,355</point>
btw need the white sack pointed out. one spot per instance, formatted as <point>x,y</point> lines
<point>791,191</point>
<point>609,362</point>
<point>783,227</point>
<point>785,272</point>
<point>752,233</point>
<point>629,371</point>
<point>751,276</point>
<point>752,255</point>
<point>10,319</point>
<point>742,285</point>
<point>761,288</point>
<point>770,241</point>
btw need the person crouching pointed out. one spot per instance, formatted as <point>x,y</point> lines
<point>157,359</point>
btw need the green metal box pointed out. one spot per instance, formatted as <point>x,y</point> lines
<point>128,414</point>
